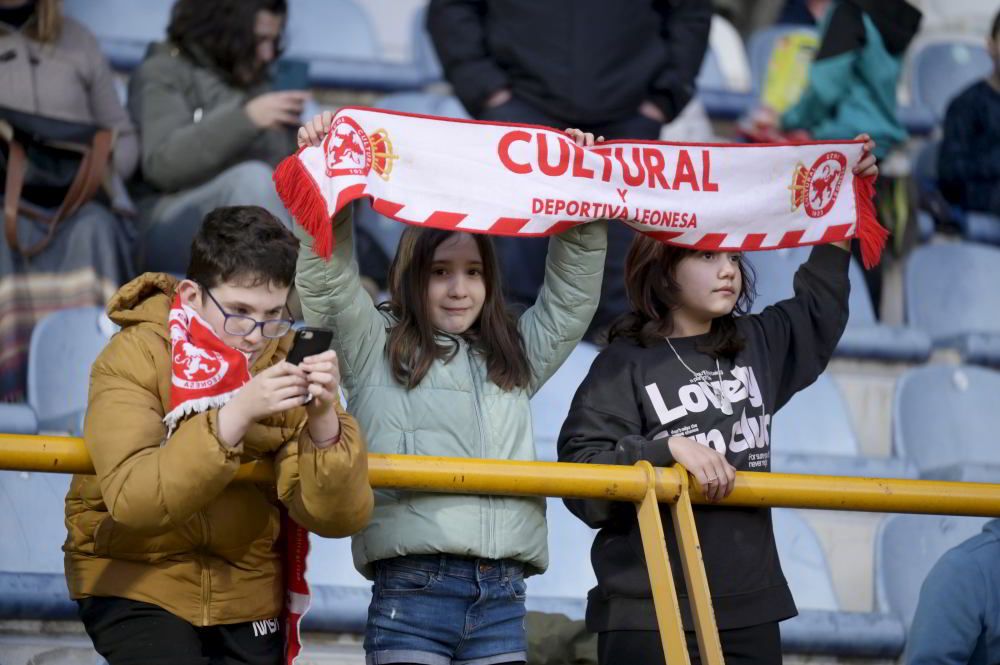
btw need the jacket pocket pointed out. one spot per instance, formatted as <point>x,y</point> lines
<point>400,579</point>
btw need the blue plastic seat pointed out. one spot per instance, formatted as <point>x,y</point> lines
<point>864,337</point>
<point>713,91</point>
<point>338,40</point>
<point>943,422</point>
<point>803,561</point>
<point>124,28</point>
<point>942,69</point>
<point>63,347</point>
<point>550,405</point>
<point>950,294</point>
<point>906,548</point>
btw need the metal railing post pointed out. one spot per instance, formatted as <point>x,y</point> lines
<point>661,579</point>
<point>695,578</point>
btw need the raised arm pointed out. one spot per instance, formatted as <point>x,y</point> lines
<point>555,324</point>
<point>332,297</point>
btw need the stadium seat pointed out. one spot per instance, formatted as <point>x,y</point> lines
<point>724,71</point>
<point>906,548</point>
<point>422,51</point>
<point>124,28</point>
<point>550,405</point>
<point>942,69</point>
<point>864,337</point>
<point>951,295</point>
<point>63,347</point>
<point>338,40</point>
<point>803,561</point>
<point>943,422</point>
<point>563,587</point>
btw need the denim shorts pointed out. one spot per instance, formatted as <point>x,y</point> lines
<point>438,609</point>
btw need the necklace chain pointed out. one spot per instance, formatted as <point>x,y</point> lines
<point>723,399</point>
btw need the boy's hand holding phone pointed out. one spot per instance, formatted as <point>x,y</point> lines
<point>278,388</point>
<point>322,372</point>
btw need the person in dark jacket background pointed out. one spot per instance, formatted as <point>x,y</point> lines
<point>616,69</point>
<point>689,377</point>
<point>969,163</point>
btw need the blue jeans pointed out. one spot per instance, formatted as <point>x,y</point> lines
<point>439,609</point>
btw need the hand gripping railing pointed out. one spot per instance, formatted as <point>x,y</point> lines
<point>642,484</point>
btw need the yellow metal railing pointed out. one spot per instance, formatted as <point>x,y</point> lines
<point>642,484</point>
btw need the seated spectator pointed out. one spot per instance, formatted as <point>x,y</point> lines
<point>169,558</point>
<point>852,81</point>
<point>957,621</point>
<point>212,128</point>
<point>51,66</point>
<point>969,162</point>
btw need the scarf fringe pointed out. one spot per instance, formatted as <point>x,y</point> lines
<point>297,191</point>
<point>871,234</point>
<point>193,406</point>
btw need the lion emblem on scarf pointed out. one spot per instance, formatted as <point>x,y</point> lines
<point>816,189</point>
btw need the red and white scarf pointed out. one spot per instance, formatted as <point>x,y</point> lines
<point>522,180</point>
<point>207,373</point>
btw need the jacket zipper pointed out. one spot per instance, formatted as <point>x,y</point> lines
<point>491,518</point>
<point>206,575</point>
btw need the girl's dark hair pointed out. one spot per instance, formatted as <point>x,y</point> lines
<point>653,294</point>
<point>412,346</point>
<point>245,244</point>
<point>223,30</point>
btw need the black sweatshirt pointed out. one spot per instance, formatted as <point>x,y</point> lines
<point>635,397</point>
<point>582,61</point>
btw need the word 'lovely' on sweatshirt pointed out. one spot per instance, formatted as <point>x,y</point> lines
<point>635,397</point>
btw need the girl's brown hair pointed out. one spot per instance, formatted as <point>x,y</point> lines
<point>413,341</point>
<point>653,294</point>
<point>47,22</point>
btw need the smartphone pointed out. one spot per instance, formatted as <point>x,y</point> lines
<point>289,74</point>
<point>309,342</point>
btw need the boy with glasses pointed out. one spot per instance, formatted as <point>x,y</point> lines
<point>170,558</point>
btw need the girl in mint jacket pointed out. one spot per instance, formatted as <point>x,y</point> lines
<point>444,369</point>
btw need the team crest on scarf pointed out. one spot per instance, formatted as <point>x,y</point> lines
<point>206,372</point>
<point>349,151</point>
<point>815,189</point>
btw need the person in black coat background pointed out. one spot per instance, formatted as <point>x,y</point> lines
<point>618,69</point>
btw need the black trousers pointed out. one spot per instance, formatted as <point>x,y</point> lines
<point>756,645</point>
<point>523,259</point>
<point>127,632</point>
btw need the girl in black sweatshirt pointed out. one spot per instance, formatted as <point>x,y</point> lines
<point>690,377</point>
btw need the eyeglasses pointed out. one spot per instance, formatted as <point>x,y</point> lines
<point>241,326</point>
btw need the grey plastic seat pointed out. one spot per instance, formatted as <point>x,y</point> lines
<point>942,69</point>
<point>31,521</point>
<point>864,337</point>
<point>950,293</point>
<point>63,347</point>
<point>906,548</point>
<point>124,28</point>
<point>803,561</point>
<point>339,41</point>
<point>563,587</point>
<point>550,405</point>
<point>943,422</point>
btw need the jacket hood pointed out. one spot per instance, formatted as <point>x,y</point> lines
<point>897,21</point>
<point>146,299</point>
